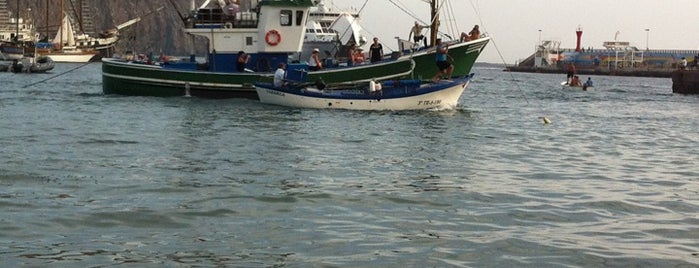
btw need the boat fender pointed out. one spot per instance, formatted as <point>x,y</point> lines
<point>373,86</point>
<point>273,37</point>
<point>228,25</point>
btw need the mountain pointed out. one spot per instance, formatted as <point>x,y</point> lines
<point>157,32</point>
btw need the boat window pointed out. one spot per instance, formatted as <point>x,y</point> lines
<point>285,18</point>
<point>299,18</point>
<point>248,41</point>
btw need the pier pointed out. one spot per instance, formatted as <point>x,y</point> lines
<point>685,81</point>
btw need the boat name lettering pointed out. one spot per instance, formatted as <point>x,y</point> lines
<point>429,102</point>
<point>274,92</point>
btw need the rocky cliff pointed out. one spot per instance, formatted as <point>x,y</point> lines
<point>158,31</point>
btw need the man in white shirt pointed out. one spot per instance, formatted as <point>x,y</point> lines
<point>279,75</point>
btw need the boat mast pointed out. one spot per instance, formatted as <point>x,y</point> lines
<point>434,27</point>
<point>60,31</point>
<point>16,23</point>
<point>48,38</point>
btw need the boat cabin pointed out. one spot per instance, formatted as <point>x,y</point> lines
<point>267,30</point>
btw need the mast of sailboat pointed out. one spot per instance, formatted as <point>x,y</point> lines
<point>434,27</point>
<point>16,23</point>
<point>48,39</point>
<point>60,31</point>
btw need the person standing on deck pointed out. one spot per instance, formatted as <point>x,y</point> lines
<point>570,72</point>
<point>442,61</point>
<point>416,33</point>
<point>279,75</point>
<point>376,51</point>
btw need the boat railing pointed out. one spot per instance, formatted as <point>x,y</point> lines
<point>216,18</point>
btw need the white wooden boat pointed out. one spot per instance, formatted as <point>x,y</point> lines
<point>565,85</point>
<point>389,95</point>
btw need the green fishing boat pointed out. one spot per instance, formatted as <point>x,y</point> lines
<point>269,32</point>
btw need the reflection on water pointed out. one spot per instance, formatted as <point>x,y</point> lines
<point>94,180</point>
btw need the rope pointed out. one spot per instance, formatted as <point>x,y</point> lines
<point>52,77</point>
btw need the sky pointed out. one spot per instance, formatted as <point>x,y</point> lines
<point>516,26</point>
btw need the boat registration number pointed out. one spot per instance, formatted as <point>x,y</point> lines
<point>429,102</point>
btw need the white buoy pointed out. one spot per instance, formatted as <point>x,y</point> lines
<point>546,120</point>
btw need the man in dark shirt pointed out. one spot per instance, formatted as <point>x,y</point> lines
<point>376,51</point>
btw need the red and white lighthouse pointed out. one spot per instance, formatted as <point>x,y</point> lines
<point>578,32</point>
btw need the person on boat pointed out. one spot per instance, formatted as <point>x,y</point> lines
<point>683,63</point>
<point>351,54</point>
<point>279,75</point>
<point>359,56</point>
<point>575,82</point>
<point>570,72</point>
<point>474,34</point>
<point>242,61</point>
<point>442,61</point>
<point>314,63</point>
<point>230,9</point>
<point>588,83</point>
<point>376,51</point>
<point>416,33</point>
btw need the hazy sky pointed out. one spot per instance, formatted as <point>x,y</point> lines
<point>514,24</point>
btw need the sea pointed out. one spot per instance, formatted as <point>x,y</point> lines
<point>95,180</point>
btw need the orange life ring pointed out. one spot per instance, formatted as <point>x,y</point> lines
<point>273,37</point>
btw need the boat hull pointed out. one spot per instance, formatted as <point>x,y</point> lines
<point>10,52</point>
<point>390,69</point>
<point>564,85</point>
<point>133,79</point>
<point>464,55</point>
<point>70,57</point>
<point>437,96</point>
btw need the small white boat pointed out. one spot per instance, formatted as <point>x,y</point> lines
<point>565,85</point>
<point>389,95</point>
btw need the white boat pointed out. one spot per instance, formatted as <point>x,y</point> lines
<point>565,85</point>
<point>70,45</point>
<point>331,31</point>
<point>389,95</point>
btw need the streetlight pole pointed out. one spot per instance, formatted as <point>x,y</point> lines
<point>539,37</point>
<point>647,33</point>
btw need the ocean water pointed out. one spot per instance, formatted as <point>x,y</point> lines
<point>89,180</point>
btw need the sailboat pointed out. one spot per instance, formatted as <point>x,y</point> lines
<point>17,38</point>
<point>16,33</point>
<point>72,45</point>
